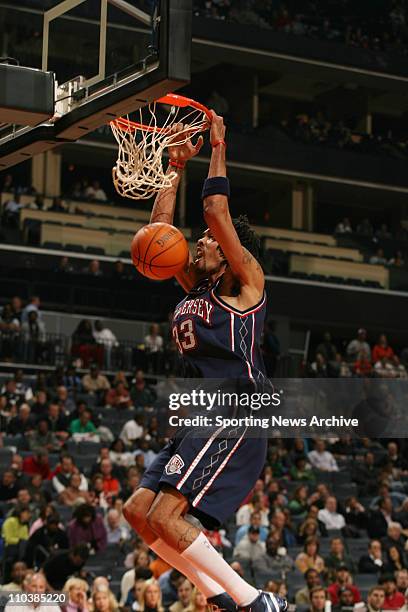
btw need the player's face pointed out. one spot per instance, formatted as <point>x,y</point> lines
<point>208,257</point>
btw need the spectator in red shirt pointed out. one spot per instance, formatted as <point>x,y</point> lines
<point>111,485</point>
<point>394,600</point>
<point>38,464</point>
<point>362,366</point>
<point>343,579</point>
<point>382,350</point>
<point>119,397</point>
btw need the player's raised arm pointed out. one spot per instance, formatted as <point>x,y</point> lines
<point>217,216</point>
<point>165,202</point>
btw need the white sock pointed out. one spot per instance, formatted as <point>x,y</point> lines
<point>204,583</point>
<point>204,557</point>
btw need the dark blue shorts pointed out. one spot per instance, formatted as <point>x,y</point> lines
<point>215,473</point>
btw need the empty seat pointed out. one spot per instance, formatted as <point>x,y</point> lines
<point>52,245</point>
<point>95,250</point>
<point>78,248</point>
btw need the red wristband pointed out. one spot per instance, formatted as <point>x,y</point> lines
<point>218,142</point>
<point>176,164</point>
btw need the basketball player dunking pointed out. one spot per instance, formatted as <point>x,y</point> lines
<point>217,328</point>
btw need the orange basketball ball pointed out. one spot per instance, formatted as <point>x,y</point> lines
<point>159,251</point>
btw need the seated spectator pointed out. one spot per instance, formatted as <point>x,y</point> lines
<point>141,393</point>
<point>64,266</point>
<point>87,527</point>
<point>255,520</point>
<point>382,349</point>
<point>372,563</point>
<point>338,556</point>
<point>379,258</point>
<point>346,600</point>
<point>118,397</point>
<point>8,486</point>
<point>95,383</point>
<point>359,344</point>
<point>17,575</point>
<point>119,455</point>
<point>365,474</point>
<point>116,534</point>
<point>375,599</point>
<point>302,597</point>
<point>57,421</point>
<point>394,537</point>
<point>84,345</point>
<point>394,600</point>
<point>396,459</point>
<point>154,349</point>
<point>378,520</point>
<point>257,504</point>
<point>344,227</point>
<point>310,558</point>
<point>279,526</point>
<point>198,602</point>
<point>250,548</point>
<point>396,560</point>
<point>184,594</point>
<point>327,348</point>
<point>365,228</point>
<point>72,495</point>
<point>11,211</point>
<point>42,437</point>
<point>321,459</point>
<point>83,427</point>
<point>111,485</point>
<point>302,470</point>
<point>317,599</point>
<point>343,579</point>
<point>119,272</point>
<point>63,472</point>
<point>362,366</point>
<point>40,404</point>
<point>95,192</point>
<point>45,540</point>
<point>401,578</point>
<point>24,423</point>
<point>64,564</point>
<point>329,516</point>
<point>132,431</point>
<point>93,269</point>
<point>38,463</point>
<point>276,558</point>
<point>298,505</point>
<point>318,367</point>
<point>309,527</point>
<point>76,590</point>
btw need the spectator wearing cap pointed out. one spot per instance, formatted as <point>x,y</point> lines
<point>394,600</point>
<point>250,547</point>
<point>302,597</point>
<point>310,558</point>
<point>329,516</point>
<point>346,600</point>
<point>343,579</point>
<point>359,344</point>
<point>322,459</point>
<point>372,562</point>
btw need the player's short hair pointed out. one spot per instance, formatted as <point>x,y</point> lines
<point>247,236</point>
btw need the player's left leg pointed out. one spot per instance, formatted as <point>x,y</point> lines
<point>166,518</point>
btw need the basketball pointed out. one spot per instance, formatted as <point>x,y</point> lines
<point>159,251</point>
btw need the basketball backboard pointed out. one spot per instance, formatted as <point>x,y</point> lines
<point>110,57</point>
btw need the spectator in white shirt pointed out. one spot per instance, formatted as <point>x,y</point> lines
<point>116,532</point>
<point>131,431</point>
<point>154,348</point>
<point>95,192</point>
<point>359,344</point>
<point>105,336</point>
<point>329,515</point>
<point>321,459</point>
<point>33,584</point>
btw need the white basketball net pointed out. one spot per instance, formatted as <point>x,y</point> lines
<point>139,172</point>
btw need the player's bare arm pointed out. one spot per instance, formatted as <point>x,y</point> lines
<point>165,203</point>
<point>244,267</point>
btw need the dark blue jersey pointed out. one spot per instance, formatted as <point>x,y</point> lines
<point>216,340</point>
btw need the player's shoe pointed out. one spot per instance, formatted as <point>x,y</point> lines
<point>223,601</point>
<point>266,602</point>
